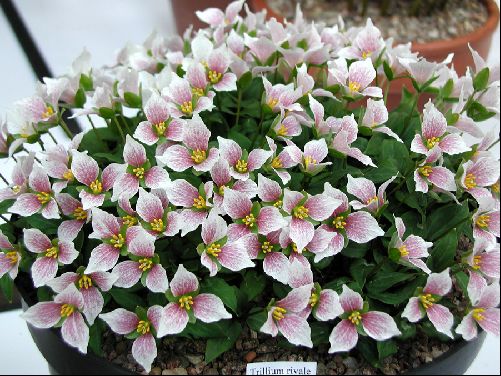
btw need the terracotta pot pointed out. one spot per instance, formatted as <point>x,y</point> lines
<point>480,40</point>
<point>184,12</point>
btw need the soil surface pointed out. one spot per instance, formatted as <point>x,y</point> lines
<point>459,17</point>
<point>180,356</point>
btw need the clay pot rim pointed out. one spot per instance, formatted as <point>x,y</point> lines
<point>434,46</point>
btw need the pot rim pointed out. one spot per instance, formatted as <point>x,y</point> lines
<point>433,46</point>
<point>456,345</point>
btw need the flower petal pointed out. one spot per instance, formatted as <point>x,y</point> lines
<point>434,122</point>
<point>144,350</point>
<point>145,133</point>
<point>43,315</point>
<point>490,322</point>
<point>412,310</point>
<point>350,300</point>
<point>297,299</point>
<point>361,227</point>
<point>443,178</point>
<point>467,328</point>
<point>328,307</point>
<point>344,337</point>
<point>234,256</point>
<point>276,265</point>
<point>156,280</point>
<point>270,219</point>
<point>301,232</point>
<point>84,168</point>
<point>134,153</point>
<point>209,308</point>
<point>75,332</point>
<point>296,330</point>
<point>26,205</point>
<point>174,320</point>
<point>236,204</point>
<point>43,270</point>
<point>128,273</point>
<point>183,282</point>
<point>93,303</point>
<point>104,224</point>
<point>213,228</point>
<point>441,318</point>
<point>120,321</point>
<point>36,241</point>
<point>320,207</point>
<point>102,258</point>
<point>379,325</point>
<point>438,283</point>
<point>156,178</point>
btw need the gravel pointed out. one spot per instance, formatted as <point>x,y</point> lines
<point>460,17</point>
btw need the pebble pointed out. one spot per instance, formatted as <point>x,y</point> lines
<point>121,347</point>
<point>194,359</point>
<point>350,362</point>
<point>250,356</point>
<point>211,371</point>
<point>156,371</point>
<point>175,371</point>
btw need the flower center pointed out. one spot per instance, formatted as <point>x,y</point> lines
<point>67,310</point>
<point>160,128</point>
<point>241,166</point>
<point>139,172</point>
<point>187,108</point>
<point>214,76</point>
<point>199,203</point>
<point>313,300</point>
<point>43,197</point>
<point>214,249</point>
<point>301,212</point>
<point>143,327</point>
<point>16,189</point>
<point>339,222</point>
<point>354,86</point>
<point>186,302</point>
<point>427,300</point>
<point>277,163</point>
<point>366,54</point>
<point>51,252</point>
<point>477,314</point>
<point>118,241</point>
<point>355,317</point>
<point>49,111</point>
<point>145,264</point>
<point>278,204</point>
<point>279,313</point>
<point>470,181</point>
<point>96,187</point>
<point>157,225</point>
<point>68,175</point>
<point>272,102</point>
<point>476,262</point>
<point>84,282</point>
<point>282,130</point>
<point>495,187</point>
<point>198,156</point>
<point>221,190</point>
<point>12,256</point>
<point>371,200</point>
<point>483,221</point>
<point>198,91</point>
<point>294,247</point>
<point>80,214</point>
<point>129,220</point>
<point>403,251</point>
<point>425,171</point>
<point>249,220</point>
<point>431,142</point>
<point>309,160</point>
<point>266,247</point>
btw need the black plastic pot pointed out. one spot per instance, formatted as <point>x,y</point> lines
<point>66,360</point>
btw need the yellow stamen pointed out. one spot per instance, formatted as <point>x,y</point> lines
<point>470,181</point>
<point>431,142</point>
<point>266,247</point>
<point>309,160</point>
<point>187,108</point>
<point>483,221</point>
<point>221,190</point>
<point>371,200</point>
<point>272,102</point>
<point>68,175</point>
<point>13,256</point>
<point>48,112</point>
<point>427,300</point>
<point>198,91</point>
<point>214,249</point>
<point>198,156</point>
<point>282,131</point>
<point>67,310</point>
<point>214,77</point>
<point>477,314</point>
<point>366,54</point>
<point>160,128</point>
<point>157,225</point>
<point>84,282</point>
<point>294,248</point>
<point>300,212</point>
<point>145,264</point>
<point>118,241</point>
<point>241,166</point>
<point>186,302</point>
<point>43,197</point>
<point>279,313</point>
<point>139,172</point>
<point>278,204</point>
<point>143,327</point>
<point>96,187</point>
<point>355,317</point>
<point>339,222</point>
<point>249,220</point>
<point>16,189</point>
<point>199,203</point>
<point>80,214</point>
<point>495,187</point>
<point>403,251</point>
<point>476,262</point>
<point>354,87</point>
<point>425,171</point>
<point>313,300</point>
<point>129,220</point>
<point>52,252</point>
<point>277,163</point>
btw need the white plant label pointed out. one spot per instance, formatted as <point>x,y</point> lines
<point>282,368</point>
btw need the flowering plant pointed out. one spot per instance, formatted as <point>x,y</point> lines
<point>251,174</point>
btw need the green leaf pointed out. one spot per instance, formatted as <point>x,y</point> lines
<point>253,284</point>
<point>368,349</point>
<point>443,252</point>
<point>462,279</point>
<point>126,299</point>
<point>86,82</point>
<point>386,349</point>
<point>7,287</point>
<point>402,295</point>
<point>257,320</point>
<point>95,336</point>
<point>479,113</point>
<point>217,346</point>
<point>133,100</point>
<point>5,206</point>
<point>481,79</point>
<point>388,71</point>
<point>383,280</point>
<point>244,81</point>
<point>320,332</point>
<point>203,330</point>
<point>40,223</point>
<point>116,158</point>
<point>80,98</point>
<point>444,219</point>
<point>359,270</point>
<point>220,288</point>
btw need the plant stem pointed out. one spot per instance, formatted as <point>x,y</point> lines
<point>94,128</point>
<point>52,137</point>
<point>239,103</point>
<point>494,144</point>
<point>65,128</point>
<point>5,180</point>
<point>40,142</point>
<point>5,219</point>
<point>127,129</point>
<point>120,130</point>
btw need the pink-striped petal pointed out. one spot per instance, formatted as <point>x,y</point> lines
<point>50,210</point>
<point>102,258</point>
<point>236,204</point>
<point>291,200</point>
<point>453,144</point>
<point>361,227</point>
<point>344,337</point>
<point>90,200</point>
<point>297,299</point>
<point>320,207</point>
<point>301,232</point>
<point>229,150</point>
<point>174,320</point>
<point>182,193</point>
<point>189,220</point>
<point>144,350</point>
<point>84,168</point>
<point>490,322</point>
<point>276,265</point>
<point>300,274</point>
<point>296,330</point>
<point>328,306</point>
<point>214,228</point>
<point>361,188</point>
<point>476,286</point>
<point>36,241</point>
<point>441,318</point>
<point>421,183</point>
<point>156,280</point>
<point>438,283</point>
<point>379,325</point>
<point>196,134</point>
<point>70,295</point>
<point>120,321</point>
<point>350,300</point>
<point>103,280</point>
<point>149,207</point>
<point>234,256</point>
<point>417,145</point>
<point>93,303</point>
<point>205,166</point>
<point>145,133</point>
<point>69,230</point>
<point>490,296</point>
<point>467,328</point>
<point>175,130</point>
<point>268,190</point>
<point>128,273</point>
<point>134,153</point>
<point>417,247</point>
<point>270,327</point>
<point>67,252</point>
<point>412,310</point>
<point>105,225</point>
<point>177,158</point>
<point>183,282</point>
<point>434,122</point>
<point>270,219</point>
<point>43,315</point>
<point>43,270</point>
<point>209,308</point>
<point>227,83</point>
<point>443,178</point>
<point>156,177</point>
<point>212,16</point>
<point>26,205</point>
<point>39,180</point>
<point>257,158</point>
